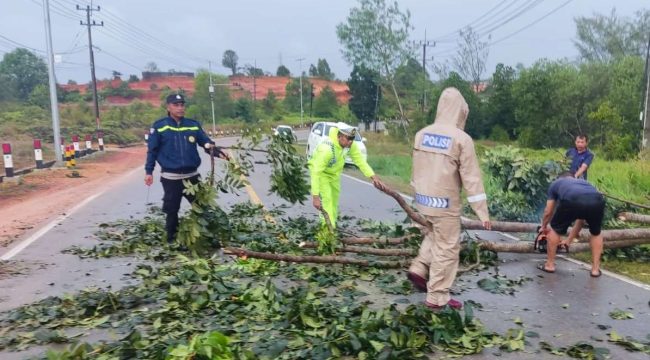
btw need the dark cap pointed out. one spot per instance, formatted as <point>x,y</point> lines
<point>175,99</point>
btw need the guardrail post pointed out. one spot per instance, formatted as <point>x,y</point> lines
<point>38,154</point>
<point>75,144</point>
<point>8,160</point>
<point>100,140</point>
<point>89,144</point>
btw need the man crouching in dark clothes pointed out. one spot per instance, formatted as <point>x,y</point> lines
<point>573,200</point>
<point>173,144</point>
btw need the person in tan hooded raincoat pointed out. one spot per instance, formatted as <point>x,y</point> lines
<point>444,160</point>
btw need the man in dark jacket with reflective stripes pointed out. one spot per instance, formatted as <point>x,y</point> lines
<point>172,143</point>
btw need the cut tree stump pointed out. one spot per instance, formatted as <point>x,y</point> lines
<point>639,218</point>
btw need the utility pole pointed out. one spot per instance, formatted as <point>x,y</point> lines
<point>211,91</point>
<point>645,133</point>
<point>54,105</point>
<point>89,24</point>
<point>301,109</point>
<point>424,45</point>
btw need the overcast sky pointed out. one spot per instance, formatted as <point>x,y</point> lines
<point>185,35</point>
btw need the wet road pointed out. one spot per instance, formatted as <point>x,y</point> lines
<point>563,308</point>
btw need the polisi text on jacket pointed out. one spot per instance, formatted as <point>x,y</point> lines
<point>436,141</point>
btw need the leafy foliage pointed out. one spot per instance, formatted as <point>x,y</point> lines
<point>604,38</point>
<point>283,71</point>
<point>292,95</point>
<point>326,104</point>
<point>205,226</point>
<point>230,60</point>
<point>519,184</point>
<point>365,92</point>
<point>233,320</point>
<point>288,169</point>
<point>376,36</point>
<point>498,284</point>
<point>22,71</point>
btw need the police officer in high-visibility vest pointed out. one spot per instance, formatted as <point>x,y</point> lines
<point>173,144</point>
<point>326,166</point>
<point>444,161</point>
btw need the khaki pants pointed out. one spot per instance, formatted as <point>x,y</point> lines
<point>438,258</point>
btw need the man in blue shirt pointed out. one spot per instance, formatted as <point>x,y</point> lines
<point>172,143</point>
<point>571,199</point>
<point>581,157</point>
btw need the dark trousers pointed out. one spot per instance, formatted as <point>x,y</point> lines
<point>173,194</point>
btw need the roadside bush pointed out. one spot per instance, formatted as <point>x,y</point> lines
<point>517,186</point>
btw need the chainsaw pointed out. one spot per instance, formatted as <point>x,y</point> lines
<point>541,242</point>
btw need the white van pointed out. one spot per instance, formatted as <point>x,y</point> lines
<point>320,131</point>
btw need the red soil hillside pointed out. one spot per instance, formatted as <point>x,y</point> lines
<point>152,86</point>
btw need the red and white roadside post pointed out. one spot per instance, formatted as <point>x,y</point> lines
<point>89,144</point>
<point>38,153</point>
<point>63,148</point>
<point>100,140</point>
<point>75,144</point>
<point>8,161</point>
<point>146,138</point>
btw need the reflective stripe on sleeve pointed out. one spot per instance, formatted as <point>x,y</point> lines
<point>476,198</point>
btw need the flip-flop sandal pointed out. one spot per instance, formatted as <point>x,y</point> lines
<point>544,269</point>
<point>597,275</point>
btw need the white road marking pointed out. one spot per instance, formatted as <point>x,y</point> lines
<point>37,235</point>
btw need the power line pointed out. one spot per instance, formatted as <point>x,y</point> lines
<point>17,44</point>
<point>474,22</point>
<point>129,28</point>
<point>519,11</point>
<point>532,23</point>
<point>117,58</point>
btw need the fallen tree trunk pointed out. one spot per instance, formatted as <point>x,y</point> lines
<point>518,247</point>
<point>527,247</point>
<point>640,218</point>
<point>504,226</point>
<point>467,224</point>
<point>409,210</point>
<point>365,250</point>
<point>619,234</point>
<point>316,259</point>
<point>372,241</point>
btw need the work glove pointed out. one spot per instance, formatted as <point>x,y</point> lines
<point>217,152</point>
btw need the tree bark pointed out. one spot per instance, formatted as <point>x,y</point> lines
<point>640,218</point>
<point>620,234</point>
<point>365,250</point>
<point>409,210</point>
<point>527,247</point>
<point>316,259</point>
<point>372,241</point>
<point>504,226</point>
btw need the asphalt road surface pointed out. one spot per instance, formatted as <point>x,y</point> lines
<point>563,308</point>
